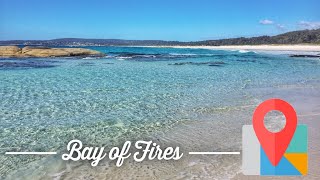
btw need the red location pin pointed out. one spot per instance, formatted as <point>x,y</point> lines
<point>274,144</point>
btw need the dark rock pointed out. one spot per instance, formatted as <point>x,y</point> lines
<point>305,55</point>
<point>246,60</point>
<point>24,64</point>
<point>214,63</point>
<point>86,64</point>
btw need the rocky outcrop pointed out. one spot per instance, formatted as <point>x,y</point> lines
<point>10,51</point>
<point>28,51</point>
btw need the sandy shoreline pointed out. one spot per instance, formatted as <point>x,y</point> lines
<point>289,49</point>
<point>202,135</point>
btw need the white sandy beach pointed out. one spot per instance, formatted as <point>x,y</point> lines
<point>288,49</point>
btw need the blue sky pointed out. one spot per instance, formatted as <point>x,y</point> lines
<point>154,19</point>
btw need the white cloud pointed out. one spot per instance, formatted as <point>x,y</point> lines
<point>281,27</point>
<point>309,25</point>
<point>266,22</point>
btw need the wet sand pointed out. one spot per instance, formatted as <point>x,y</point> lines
<point>213,132</point>
<point>217,129</point>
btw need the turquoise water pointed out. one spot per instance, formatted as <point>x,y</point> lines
<point>130,93</point>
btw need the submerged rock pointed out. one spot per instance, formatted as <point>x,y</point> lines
<point>15,51</point>
<point>246,60</point>
<point>25,64</point>
<point>86,64</point>
<point>305,55</point>
<point>214,63</point>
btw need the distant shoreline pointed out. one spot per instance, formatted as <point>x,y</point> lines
<point>301,37</point>
<point>314,49</point>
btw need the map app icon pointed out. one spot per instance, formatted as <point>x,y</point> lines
<point>283,153</point>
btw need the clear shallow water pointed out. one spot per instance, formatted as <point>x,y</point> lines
<point>131,93</point>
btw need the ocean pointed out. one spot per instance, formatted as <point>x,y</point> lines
<point>137,93</point>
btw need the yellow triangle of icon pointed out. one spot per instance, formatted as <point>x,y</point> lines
<point>299,161</point>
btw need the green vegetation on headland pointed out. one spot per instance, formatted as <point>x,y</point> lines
<point>294,37</point>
